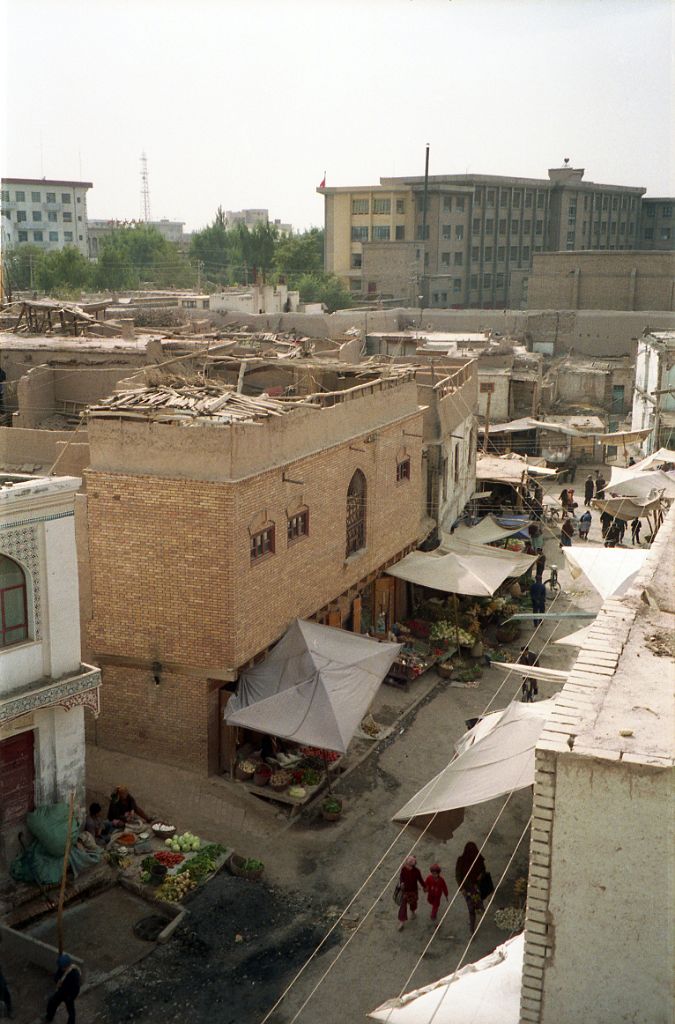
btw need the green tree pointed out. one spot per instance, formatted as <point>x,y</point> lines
<point>21,264</point>
<point>326,288</point>
<point>64,270</point>
<point>215,248</point>
<point>114,269</point>
<point>299,254</point>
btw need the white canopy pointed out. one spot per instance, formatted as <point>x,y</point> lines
<point>484,532</point>
<point>532,671</point>
<point>487,992</point>
<point>612,571</point>
<point>576,639</point>
<point>626,508</point>
<point>645,485</point>
<point>509,469</point>
<point>517,562</point>
<point>475,571</point>
<point>655,461</point>
<point>314,687</point>
<point>501,760</point>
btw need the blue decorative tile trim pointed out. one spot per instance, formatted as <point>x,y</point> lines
<point>36,519</point>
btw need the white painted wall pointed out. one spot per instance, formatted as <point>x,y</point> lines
<point>611,894</point>
<point>460,451</point>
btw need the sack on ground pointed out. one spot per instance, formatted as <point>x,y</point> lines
<point>485,885</point>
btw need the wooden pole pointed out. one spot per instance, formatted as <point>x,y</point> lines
<point>486,433</point>
<point>62,891</point>
<point>454,602</point>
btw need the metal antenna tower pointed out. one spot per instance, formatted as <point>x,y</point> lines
<point>145,188</point>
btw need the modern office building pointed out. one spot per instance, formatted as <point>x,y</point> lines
<point>472,246</point>
<point>656,224</point>
<point>47,213</point>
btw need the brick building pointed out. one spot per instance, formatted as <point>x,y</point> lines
<point>602,280</point>
<point>209,534</point>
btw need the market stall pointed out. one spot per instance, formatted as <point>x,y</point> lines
<point>309,695</point>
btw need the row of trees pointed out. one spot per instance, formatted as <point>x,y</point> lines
<point>140,256</point>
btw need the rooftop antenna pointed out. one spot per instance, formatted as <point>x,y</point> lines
<point>145,188</point>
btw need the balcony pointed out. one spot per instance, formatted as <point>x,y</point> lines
<point>79,689</point>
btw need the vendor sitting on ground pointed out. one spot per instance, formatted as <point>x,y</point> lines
<point>96,826</point>
<point>123,806</point>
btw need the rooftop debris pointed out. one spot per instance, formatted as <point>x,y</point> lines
<point>184,400</point>
<point>35,316</point>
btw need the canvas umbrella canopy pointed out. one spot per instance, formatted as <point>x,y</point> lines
<point>612,571</point>
<point>314,687</point>
<point>500,761</point>
<point>517,562</point>
<point>627,509</point>
<point>484,532</point>
<point>477,572</point>
<point>645,485</point>
<point>486,992</point>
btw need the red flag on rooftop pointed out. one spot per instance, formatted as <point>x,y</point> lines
<point>322,183</point>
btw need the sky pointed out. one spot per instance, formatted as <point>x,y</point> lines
<point>246,103</point>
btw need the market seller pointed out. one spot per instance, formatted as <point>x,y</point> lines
<point>123,806</point>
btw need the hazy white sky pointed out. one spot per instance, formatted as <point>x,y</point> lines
<point>246,103</point>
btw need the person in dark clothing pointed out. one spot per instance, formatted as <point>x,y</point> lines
<point>621,526</point>
<point>540,565</point>
<point>538,598</point>
<point>571,471</point>
<point>538,493</point>
<point>409,879</point>
<point>635,528</point>
<point>613,534</point>
<point>530,688</point>
<point>566,534</point>
<point>585,521</point>
<point>5,996</point>
<point>564,500</point>
<point>589,490</point>
<point>606,520</point>
<point>631,461</point>
<point>67,980</point>
<point>469,870</point>
<point>600,485</point>
<point>122,805</point>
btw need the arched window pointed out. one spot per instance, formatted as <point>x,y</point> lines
<point>356,513</point>
<point>13,603</point>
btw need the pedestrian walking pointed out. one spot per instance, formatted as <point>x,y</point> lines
<point>409,880</point>
<point>530,688</point>
<point>589,490</point>
<point>469,870</point>
<point>585,521</point>
<point>613,534</point>
<point>538,598</point>
<point>606,520</point>
<point>67,980</point>
<point>5,996</point>
<point>635,528</point>
<point>566,534</point>
<point>564,500</point>
<point>436,888</point>
<point>600,484</point>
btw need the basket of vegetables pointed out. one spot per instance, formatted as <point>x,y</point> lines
<point>245,867</point>
<point>281,779</point>
<point>262,776</point>
<point>331,808</point>
<point>245,770</point>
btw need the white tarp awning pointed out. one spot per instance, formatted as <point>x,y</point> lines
<point>625,436</point>
<point>484,532</point>
<point>314,687</point>
<point>612,571</point>
<point>662,457</point>
<point>486,992</point>
<point>626,508</point>
<point>532,671</point>
<point>475,572</point>
<point>517,562</point>
<point>508,469</point>
<point>500,761</point>
<point>645,485</point>
<point>576,639</point>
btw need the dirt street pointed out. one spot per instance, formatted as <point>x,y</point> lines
<point>243,942</point>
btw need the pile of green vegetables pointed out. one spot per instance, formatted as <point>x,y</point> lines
<point>202,864</point>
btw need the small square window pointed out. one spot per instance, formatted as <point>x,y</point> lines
<point>513,252</point>
<point>262,544</point>
<point>490,197</point>
<point>501,253</point>
<point>53,236</point>
<point>478,197</point>
<point>514,226</point>
<point>539,227</point>
<point>476,225</point>
<point>447,202</point>
<point>67,217</point>
<point>649,232</point>
<point>400,205</point>
<point>457,285</point>
<point>667,211</point>
<point>516,200</point>
<point>5,195</point>
<point>499,280</point>
<point>67,236</point>
<point>51,197</point>
<point>473,281</point>
<point>65,197</point>
<point>504,199</point>
<point>403,470</point>
<point>526,252</point>
<point>37,215</point>
<point>36,197</point>
<point>37,236</point>
<point>650,211</point>
<point>381,233</point>
<point>423,232</point>
<point>446,231</point>
<point>20,216</point>
<point>527,227</point>
<point>358,234</point>
<point>665,234</point>
<point>458,259</point>
<point>381,205</point>
<point>400,232</point>
<point>486,387</point>
<point>20,197</point>
<point>52,216</point>
<point>487,280</point>
<point>528,199</point>
<point>489,226</point>
<point>487,252</point>
<point>459,232</point>
<point>475,253</point>
<point>297,526</point>
<point>540,201</point>
<point>445,259</point>
<point>357,260</point>
<point>23,236</point>
<point>502,227</point>
<point>459,203</point>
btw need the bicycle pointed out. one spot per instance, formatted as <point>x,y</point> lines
<point>553,579</point>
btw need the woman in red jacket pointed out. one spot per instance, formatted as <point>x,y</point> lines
<point>436,887</point>
<point>409,879</point>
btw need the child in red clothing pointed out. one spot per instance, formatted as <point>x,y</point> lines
<point>435,887</point>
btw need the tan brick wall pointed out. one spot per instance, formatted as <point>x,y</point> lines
<point>172,580</point>
<point>602,280</point>
<point>166,722</point>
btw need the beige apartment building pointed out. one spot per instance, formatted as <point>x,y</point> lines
<point>481,233</point>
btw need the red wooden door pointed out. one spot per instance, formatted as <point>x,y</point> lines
<point>17,777</point>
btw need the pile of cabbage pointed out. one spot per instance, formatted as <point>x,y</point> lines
<point>183,844</point>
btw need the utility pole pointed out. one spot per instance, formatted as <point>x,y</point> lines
<point>424,226</point>
<point>486,433</point>
<point>145,188</point>
<point>200,267</point>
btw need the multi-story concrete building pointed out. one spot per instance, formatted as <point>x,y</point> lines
<point>249,218</point>
<point>44,687</point>
<point>654,395</point>
<point>657,229</point>
<point>48,214</point>
<point>234,524</point>
<point>481,232</point>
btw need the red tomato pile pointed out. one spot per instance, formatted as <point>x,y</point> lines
<point>168,858</point>
<point>327,755</point>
